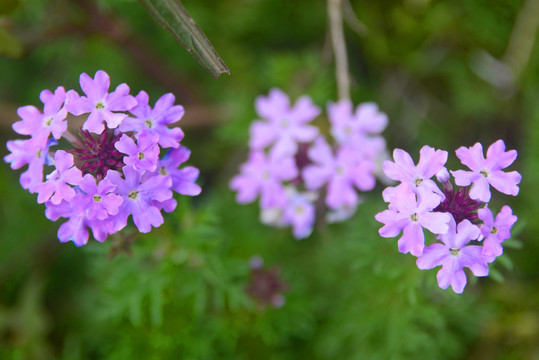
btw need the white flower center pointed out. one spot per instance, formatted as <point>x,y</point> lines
<point>140,156</point>
<point>494,230</point>
<point>454,251</point>
<point>99,105</point>
<point>133,194</point>
<point>148,123</point>
<point>414,217</point>
<point>484,173</point>
<point>418,182</point>
<point>97,198</point>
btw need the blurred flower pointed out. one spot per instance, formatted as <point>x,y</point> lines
<point>290,165</point>
<point>286,126</point>
<point>265,285</point>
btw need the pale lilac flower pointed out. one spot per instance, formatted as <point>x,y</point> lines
<point>56,186</point>
<point>138,195</point>
<point>263,175</point>
<point>98,200</point>
<point>51,121</point>
<point>299,212</point>
<point>418,178</point>
<point>496,231</point>
<point>143,154</point>
<point>286,126</point>
<point>358,130</point>
<point>409,215</point>
<point>486,172</point>
<point>454,254</point>
<point>341,172</point>
<point>101,104</point>
<point>155,121</point>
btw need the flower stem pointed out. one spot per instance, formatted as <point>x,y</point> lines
<point>339,48</point>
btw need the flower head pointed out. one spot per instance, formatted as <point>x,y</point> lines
<point>109,171</point>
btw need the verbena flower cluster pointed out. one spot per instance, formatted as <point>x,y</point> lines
<point>112,168</point>
<point>292,167</point>
<point>459,215</point>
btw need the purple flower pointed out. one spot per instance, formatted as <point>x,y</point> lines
<point>357,129</point>
<point>496,231</point>
<point>52,120</point>
<point>410,216</point>
<point>183,180</point>
<point>142,155</point>
<point>155,121</point>
<point>418,178</point>
<point>453,255</point>
<point>341,172</point>
<point>486,172</point>
<point>138,195</point>
<point>263,175</point>
<point>56,186</point>
<point>34,152</point>
<point>99,103</point>
<point>285,125</point>
<point>300,213</point>
<point>98,200</point>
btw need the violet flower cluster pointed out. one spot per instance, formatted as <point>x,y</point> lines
<point>125,161</point>
<point>292,168</point>
<point>460,217</point>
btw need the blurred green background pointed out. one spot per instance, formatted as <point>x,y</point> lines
<point>448,74</point>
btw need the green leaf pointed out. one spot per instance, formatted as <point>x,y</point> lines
<point>173,17</point>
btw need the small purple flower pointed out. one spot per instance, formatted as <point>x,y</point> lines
<point>410,216</point>
<point>358,130</point>
<point>418,178</point>
<point>142,155</point>
<point>56,186</point>
<point>34,152</point>
<point>155,121</point>
<point>183,180</point>
<point>453,255</point>
<point>486,172</point>
<point>263,175</point>
<point>300,213</point>
<point>285,125</point>
<point>138,195</point>
<point>496,231</point>
<point>341,172</point>
<point>52,120</point>
<point>98,200</point>
<point>101,104</point>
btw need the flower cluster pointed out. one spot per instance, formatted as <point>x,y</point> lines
<point>459,215</point>
<point>113,168</point>
<point>291,165</point>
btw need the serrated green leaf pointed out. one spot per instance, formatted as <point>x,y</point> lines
<point>172,16</point>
